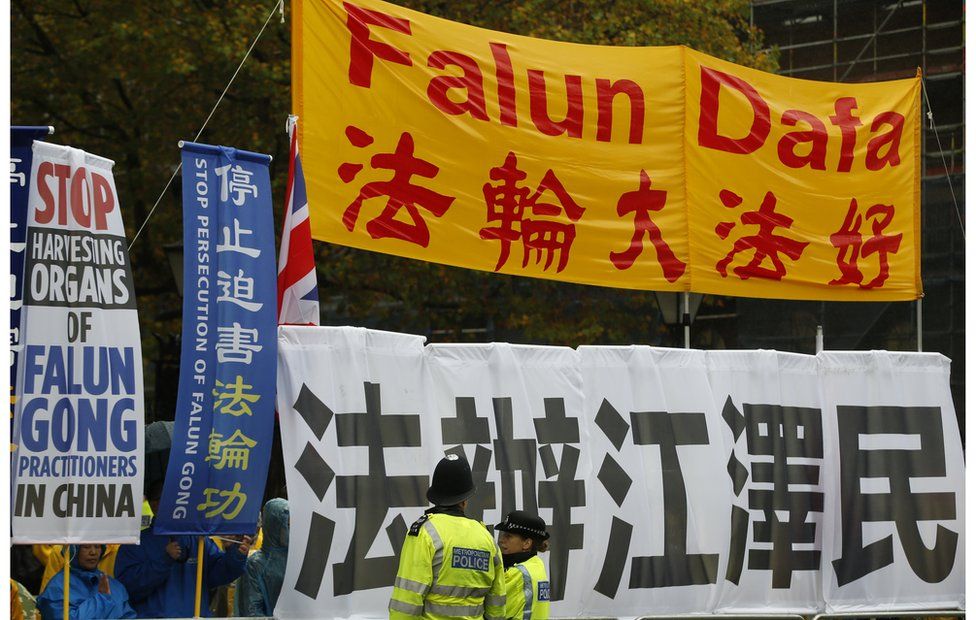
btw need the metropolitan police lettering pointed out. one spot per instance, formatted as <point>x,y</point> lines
<point>543,590</point>
<point>472,559</point>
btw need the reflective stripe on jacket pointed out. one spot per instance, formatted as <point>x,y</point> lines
<point>527,590</point>
<point>450,569</point>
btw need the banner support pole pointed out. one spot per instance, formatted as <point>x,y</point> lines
<point>819,338</point>
<point>686,319</point>
<point>199,593</point>
<point>66,609</point>
<point>918,322</point>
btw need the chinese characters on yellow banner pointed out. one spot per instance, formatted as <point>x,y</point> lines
<point>648,168</point>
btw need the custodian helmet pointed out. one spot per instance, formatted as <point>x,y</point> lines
<point>451,483</point>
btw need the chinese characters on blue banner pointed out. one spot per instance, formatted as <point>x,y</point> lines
<point>225,406</point>
<point>21,139</point>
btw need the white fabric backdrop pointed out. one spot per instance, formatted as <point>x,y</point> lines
<point>635,456</point>
<point>898,380</point>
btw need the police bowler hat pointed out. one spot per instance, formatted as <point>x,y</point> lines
<point>525,524</point>
<point>452,482</point>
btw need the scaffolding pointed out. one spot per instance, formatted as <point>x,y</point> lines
<point>872,40</point>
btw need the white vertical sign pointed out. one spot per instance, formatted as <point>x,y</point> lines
<point>77,471</point>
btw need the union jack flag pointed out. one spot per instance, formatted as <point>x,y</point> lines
<point>298,295</point>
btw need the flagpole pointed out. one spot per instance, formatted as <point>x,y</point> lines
<point>196,602</point>
<point>66,609</point>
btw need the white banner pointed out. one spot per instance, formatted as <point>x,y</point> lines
<point>78,426</point>
<point>895,474</point>
<point>673,481</point>
<point>655,533</point>
<point>769,404</point>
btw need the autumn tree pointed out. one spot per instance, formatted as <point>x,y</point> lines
<point>127,80</point>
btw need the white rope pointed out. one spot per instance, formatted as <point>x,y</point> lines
<point>279,7</point>
<point>928,113</point>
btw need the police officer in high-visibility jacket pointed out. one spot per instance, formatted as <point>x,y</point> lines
<point>522,536</point>
<point>449,564</point>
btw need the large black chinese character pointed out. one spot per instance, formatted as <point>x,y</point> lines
<point>562,494</point>
<point>467,429</point>
<point>676,567</point>
<point>513,456</point>
<point>785,434</point>
<point>319,477</point>
<point>373,494</point>
<point>870,448</point>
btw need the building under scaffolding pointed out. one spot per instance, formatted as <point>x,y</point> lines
<point>871,40</point>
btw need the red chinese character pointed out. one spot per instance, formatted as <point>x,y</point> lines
<point>400,192</point>
<point>507,204</point>
<point>764,242</point>
<point>641,202</point>
<point>850,244</point>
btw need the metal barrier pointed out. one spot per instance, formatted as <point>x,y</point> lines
<point>922,613</point>
<point>925,613</point>
<point>772,616</point>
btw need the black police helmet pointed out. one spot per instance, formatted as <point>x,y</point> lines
<point>525,524</point>
<point>451,483</point>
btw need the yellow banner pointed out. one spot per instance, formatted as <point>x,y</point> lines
<point>655,168</point>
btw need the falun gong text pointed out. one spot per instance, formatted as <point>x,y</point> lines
<point>652,168</point>
<point>79,414</point>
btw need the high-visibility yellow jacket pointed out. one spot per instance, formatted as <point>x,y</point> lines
<point>147,515</point>
<point>527,591</point>
<point>449,568</point>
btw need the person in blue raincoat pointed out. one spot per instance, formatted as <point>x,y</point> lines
<point>92,594</point>
<point>160,572</point>
<point>265,571</point>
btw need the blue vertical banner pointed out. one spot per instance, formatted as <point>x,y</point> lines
<point>21,139</point>
<point>225,406</point>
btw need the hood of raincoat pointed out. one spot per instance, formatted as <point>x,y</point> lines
<point>275,521</point>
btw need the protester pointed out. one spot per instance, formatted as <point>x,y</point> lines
<point>26,602</point>
<point>16,609</point>
<point>55,562</point>
<point>261,584</point>
<point>27,566</point>
<point>240,586</point>
<point>222,598</point>
<point>160,572</point>
<point>93,594</point>
<point>449,564</point>
<point>521,537</point>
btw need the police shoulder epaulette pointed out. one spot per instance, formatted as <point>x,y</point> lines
<point>419,523</point>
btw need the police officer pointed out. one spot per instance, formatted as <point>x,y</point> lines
<point>522,536</point>
<point>449,564</point>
